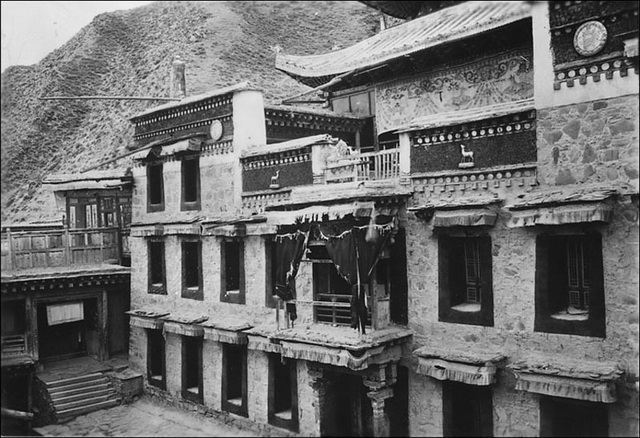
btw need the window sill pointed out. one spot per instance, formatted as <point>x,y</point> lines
<point>571,314</point>
<point>284,415</point>
<point>467,307</point>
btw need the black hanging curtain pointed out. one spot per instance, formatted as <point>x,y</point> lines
<point>289,251</point>
<point>355,254</point>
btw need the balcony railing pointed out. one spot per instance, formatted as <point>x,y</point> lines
<point>14,345</point>
<point>55,248</point>
<point>364,166</point>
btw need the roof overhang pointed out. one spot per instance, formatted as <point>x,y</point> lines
<point>444,26</point>
<point>462,212</point>
<point>110,179</point>
<point>183,146</point>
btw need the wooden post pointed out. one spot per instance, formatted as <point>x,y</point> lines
<point>103,315</point>
<point>12,263</point>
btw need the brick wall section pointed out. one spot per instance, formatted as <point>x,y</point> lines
<point>589,142</point>
<point>425,406</point>
<point>258,385</point>
<point>212,374</point>
<point>515,413</point>
<point>309,399</point>
<point>173,361</point>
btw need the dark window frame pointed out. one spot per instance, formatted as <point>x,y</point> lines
<point>156,288</point>
<point>232,353</point>
<point>189,291</point>
<point>232,295</point>
<point>551,290</point>
<point>452,280</point>
<point>151,353</point>
<point>187,343</point>
<point>276,371</point>
<point>190,181</point>
<point>457,396</point>
<point>153,181</point>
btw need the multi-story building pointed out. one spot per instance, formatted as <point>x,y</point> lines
<point>65,291</point>
<point>453,241</point>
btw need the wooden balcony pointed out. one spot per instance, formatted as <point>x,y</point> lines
<point>57,248</point>
<point>366,166</point>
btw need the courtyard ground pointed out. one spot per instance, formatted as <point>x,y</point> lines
<point>144,417</point>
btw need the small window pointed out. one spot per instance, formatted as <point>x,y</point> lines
<point>570,285</point>
<point>157,273</point>
<point>283,393</point>
<point>190,184</point>
<point>191,271</point>
<point>192,368</point>
<point>566,417</point>
<point>155,188</point>
<point>467,409</point>
<point>233,272</point>
<point>465,280</point>
<point>155,358</point>
<point>234,379</point>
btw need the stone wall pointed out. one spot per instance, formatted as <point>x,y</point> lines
<point>589,142</point>
<point>425,406</point>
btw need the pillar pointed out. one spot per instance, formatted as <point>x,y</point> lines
<point>379,383</point>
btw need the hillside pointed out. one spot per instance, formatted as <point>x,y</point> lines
<point>129,53</point>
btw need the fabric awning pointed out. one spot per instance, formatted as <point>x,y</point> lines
<point>464,218</point>
<point>459,365</point>
<point>189,145</point>
<point>227,330</point>
<point>147,318</point>
<point>63,313</point>
<point>564,214</point>
<point>481,375</point>
<point>557,386</point>
<point>316,213</point>
<point>148,230</point>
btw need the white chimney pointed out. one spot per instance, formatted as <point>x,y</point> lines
<point>178,84</point>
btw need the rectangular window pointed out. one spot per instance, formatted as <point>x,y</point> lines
<point>467,410</point>
<point>192,368</point>
<point>155,188</point>
<point>192,270</point>
<point>155,358</point>
<point>283,393</point>
<point>232,256</point>
<point>330,288</point>
<point>190,184</point>
<point>157,273</point>
<point>566,417</point>
<point>234,379</point>
<point>570,285</point>
<point>465,280</point>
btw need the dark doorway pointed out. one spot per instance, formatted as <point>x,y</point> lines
<point>155,358</point>
<point>467,409</point>
<point>192,368</point>
<point>397,407</point>
<point>234,379</point>
<point>346,408</point>
<point>567,417</point>
<point>77,335</point>
<point>283,392</point>
<point>398,273</point>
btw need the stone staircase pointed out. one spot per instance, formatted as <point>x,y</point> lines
<point>81,395</point>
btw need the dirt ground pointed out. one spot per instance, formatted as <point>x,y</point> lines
<point>144,417</point>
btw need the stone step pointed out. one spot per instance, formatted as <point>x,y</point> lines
<point>61,401</point>
<point>86,401</point>
<point>69,414</point>
<point>73,380</point>
<point>79,390</point>
<point>77,385</point>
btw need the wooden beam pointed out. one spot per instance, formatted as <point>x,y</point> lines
<point>12,413</point>
<point>108,98</point>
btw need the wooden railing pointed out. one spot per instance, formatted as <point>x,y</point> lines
<point>54,248</point>
<point>14,345</point>
<point>335,309</point>
<point>365,166</point>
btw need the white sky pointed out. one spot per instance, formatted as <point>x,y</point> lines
<point>32,30</point>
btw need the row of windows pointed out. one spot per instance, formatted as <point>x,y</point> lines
<point>569,286</point>
<point>190,185</point>
<point>282,378</point>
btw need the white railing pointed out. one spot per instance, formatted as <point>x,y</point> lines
<point>364,166</point>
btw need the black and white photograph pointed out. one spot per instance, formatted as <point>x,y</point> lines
<point>320,218</point>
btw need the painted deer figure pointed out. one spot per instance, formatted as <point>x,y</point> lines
<point>274,178</point>
<point>467,156</point>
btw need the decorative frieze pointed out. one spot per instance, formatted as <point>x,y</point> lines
<point>258,201</point>
<point>182,127</point>
<point>183,110</point>
<point>511,124</point>
<point>217,148</point>
<point>462,181</point>
<point>277,158</point>
<point>594,69</point>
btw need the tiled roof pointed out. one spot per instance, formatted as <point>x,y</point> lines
<point>440,27</point>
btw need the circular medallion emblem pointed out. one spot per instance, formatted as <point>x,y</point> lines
<point>590,38</point>
<point>215,131</point>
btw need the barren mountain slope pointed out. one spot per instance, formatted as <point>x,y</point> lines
<point>129,53</point>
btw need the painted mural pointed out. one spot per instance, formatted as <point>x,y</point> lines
<point>503,78</point>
